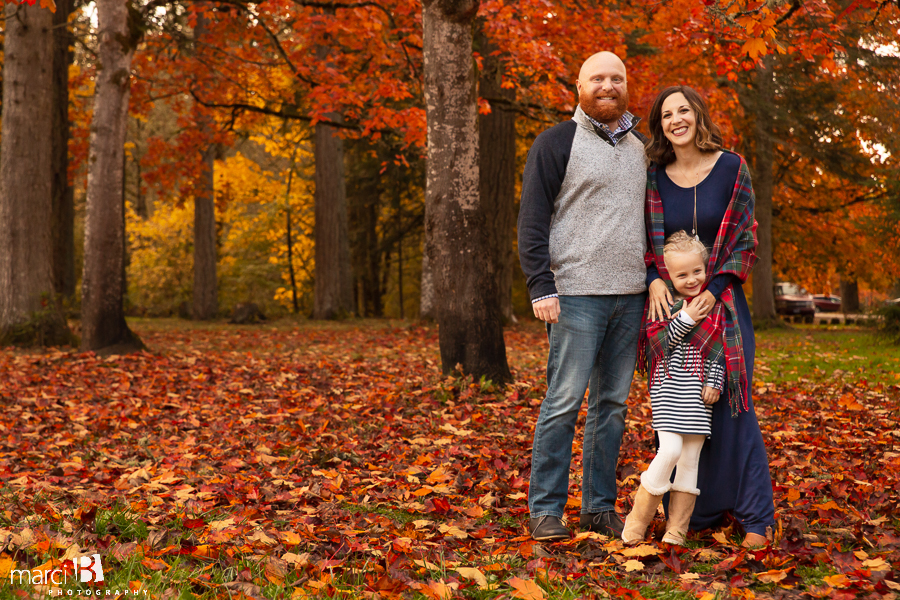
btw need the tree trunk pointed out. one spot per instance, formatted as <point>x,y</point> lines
<point>103,287</point>
<point>333,296</point>
<point>426,290</point>
<point>760,104</point>
<point>62,194</point>
<point>456,223</point>
<point>849,296</point>
<point>205,293</point>
<point>206,298</point>
<point>497,168</point>
<point>28,312</point>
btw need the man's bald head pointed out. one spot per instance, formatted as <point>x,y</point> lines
<point>603,88</point>
<point>601,60</point>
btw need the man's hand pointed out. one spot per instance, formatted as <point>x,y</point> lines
<point>547,310</point>
<point>660,299</point>
<point>699,308</point>
<point>710,395</point>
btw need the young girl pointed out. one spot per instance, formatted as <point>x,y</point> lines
<point>683,388</point>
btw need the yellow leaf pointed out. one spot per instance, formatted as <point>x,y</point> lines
<point>473,574</point>
<point>428,565</point>
<point>526,589</point>
<point>642,550</point>
<point>836,581</point>
<point>754,47</point>
<point>453,531</point>
<point>634,565</point>
<point>299,560</point>
<point>876,564</point>
<point>720,537</point>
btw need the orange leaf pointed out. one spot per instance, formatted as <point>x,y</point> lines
<point>526,589</point>
<point>154,564</point>
<point>755,48</point>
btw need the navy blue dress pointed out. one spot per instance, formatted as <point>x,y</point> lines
<point>734,469</point>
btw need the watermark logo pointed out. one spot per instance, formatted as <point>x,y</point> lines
<point>88,569</point>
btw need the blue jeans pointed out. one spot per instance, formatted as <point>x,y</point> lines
<point>593,345</point>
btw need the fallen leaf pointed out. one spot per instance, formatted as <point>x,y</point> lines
<point>837,581</point>
<point>633,565</point>
<point>642,550</point>
<point>773,576</point>
<point>526,589</point>
<point>473,574</point>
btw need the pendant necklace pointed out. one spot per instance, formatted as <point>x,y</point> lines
<point>697,181</point>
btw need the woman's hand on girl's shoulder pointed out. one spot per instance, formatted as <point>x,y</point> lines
<point>660,300</point>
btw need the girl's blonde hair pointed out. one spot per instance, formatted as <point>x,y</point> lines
<point>680,241</point>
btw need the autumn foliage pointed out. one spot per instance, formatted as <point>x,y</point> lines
<point>328,462</point>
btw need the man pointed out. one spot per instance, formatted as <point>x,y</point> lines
<point>581,245</point>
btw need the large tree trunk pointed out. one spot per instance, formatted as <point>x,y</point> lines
<point>103,287</point>
<point>28,312</point>
<point>456,225</point>
<point>62,194</point>
<point>760,104</point>
<point>206,297</point>
<point>333,296</point>
<point>497,172</point>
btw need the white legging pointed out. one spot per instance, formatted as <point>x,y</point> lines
<point>675,449</point>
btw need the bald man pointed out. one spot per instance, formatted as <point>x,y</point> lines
<point>581,244</point>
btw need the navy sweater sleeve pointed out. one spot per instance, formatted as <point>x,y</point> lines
<point>545,170</point>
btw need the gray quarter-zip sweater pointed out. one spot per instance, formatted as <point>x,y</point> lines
<point>581,216</point>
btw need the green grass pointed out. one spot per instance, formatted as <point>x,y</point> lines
<point>821,354</point>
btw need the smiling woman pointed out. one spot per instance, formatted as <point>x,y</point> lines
<point>693,185</point>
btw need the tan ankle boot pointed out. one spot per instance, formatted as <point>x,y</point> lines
<point>641,514</point>
<point>681,505</point>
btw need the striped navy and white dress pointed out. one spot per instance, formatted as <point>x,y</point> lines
<point>676,398</point>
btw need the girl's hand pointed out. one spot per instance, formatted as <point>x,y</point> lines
<point>660,300</point>
<point>710,395</point>
<point>698,309</point>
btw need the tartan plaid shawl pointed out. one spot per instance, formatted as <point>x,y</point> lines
<point>734,252</point>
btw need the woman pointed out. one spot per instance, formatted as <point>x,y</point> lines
<point>695,186</point>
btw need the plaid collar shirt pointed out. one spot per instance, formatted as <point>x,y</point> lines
<point>623,127</point>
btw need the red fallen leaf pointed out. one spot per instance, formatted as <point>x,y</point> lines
<point>730,563</point>
<point>673,562</point>
<point>889,539</point>
<point>193,523</point>
<point>627,594</point>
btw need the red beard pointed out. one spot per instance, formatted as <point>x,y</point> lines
<point>601,111</point>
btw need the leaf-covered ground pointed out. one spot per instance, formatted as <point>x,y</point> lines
<point>309,461</point>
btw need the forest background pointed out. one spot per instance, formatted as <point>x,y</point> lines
<point>362,158</point>
<point>275,152</point>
